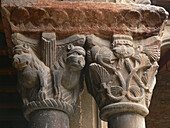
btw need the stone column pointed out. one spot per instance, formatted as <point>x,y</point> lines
<point>120,71</point>
<point>50,40</point>
<point>48,119</point>
<point>47,88</point>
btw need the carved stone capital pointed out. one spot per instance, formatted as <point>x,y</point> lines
<point>49,39</point>
<point>46,70</point>
<point>120,75</point>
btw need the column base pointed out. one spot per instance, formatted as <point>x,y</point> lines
<point>48,119</point>
<point>126,120</point>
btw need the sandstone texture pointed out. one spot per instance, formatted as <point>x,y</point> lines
<point>68,18</point>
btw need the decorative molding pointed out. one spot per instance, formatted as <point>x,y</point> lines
<point>103,19</point>
<point>134,1</point>
<point>35,2</point>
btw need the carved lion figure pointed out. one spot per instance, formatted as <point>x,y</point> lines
<point>67,79</point>
<point>32,73</point>
<point>75,62</point>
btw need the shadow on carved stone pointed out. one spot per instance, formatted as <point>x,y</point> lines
<point>54,82</point>
<point>121,76</point>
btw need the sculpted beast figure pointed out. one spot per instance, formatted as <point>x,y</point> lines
<point>67,78</point>
<point>32,74</point>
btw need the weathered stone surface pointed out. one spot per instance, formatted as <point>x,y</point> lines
<point>160,106</point>
<point>86,115</point>
<point>127,120</point>
<point>132,1</point>
<point>49,119</point>
<point>34,2</point>
<point>68,18</point>
<point>122,44</point>
<point>120,75</point>
<point>55,81</point>
<point>166,36</point>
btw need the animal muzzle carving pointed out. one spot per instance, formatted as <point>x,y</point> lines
<point>21,61</point>
<point>123,51</point>
<point>76,62</point>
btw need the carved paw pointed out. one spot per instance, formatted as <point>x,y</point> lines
<point>41,95</point>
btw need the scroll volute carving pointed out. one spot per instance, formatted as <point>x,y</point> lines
<point>120,73</point>
<point>51,79</point>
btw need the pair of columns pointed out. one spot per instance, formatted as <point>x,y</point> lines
<point>56,45</point>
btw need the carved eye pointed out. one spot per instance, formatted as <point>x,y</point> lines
<point>76,53</point>
<point>26,46</point>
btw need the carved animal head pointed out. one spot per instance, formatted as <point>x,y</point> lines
<point>75,58</point>
<point>123,47</point>
<point>22,56</point>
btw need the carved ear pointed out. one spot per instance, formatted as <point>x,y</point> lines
<point>70,46</point>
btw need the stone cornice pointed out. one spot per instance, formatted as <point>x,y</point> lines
<point>68,18</point>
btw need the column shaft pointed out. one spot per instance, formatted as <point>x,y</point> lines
<point>48,119</point>
<point>126,120</point>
